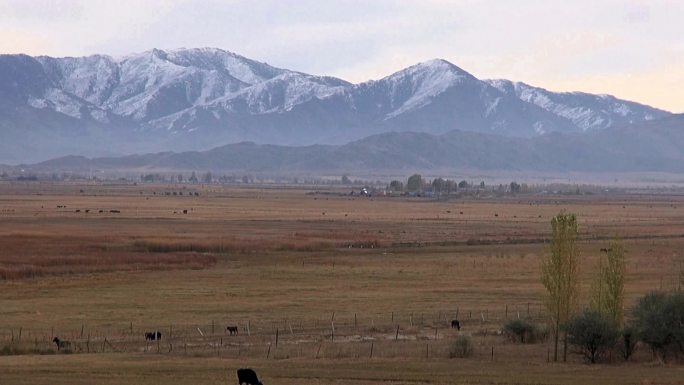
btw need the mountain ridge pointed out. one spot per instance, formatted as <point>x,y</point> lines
<point>194,99</point>
<point>619,149</point>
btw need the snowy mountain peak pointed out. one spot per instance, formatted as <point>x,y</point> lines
<point>435,68</point>
<point>192,98</point>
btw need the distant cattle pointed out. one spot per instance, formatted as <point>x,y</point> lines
<point>247,377</point>
<point>232,329</point>
<point>185,211</point>
<point>151,336</point>
<point>61,344</point>
<point>115,211</point>
<point>455,324</point>
<point>604,250</point>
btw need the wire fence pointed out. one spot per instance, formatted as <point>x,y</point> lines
<point>338,335</point>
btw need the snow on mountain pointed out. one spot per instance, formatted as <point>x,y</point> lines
<point>195,98</point>
<point>414,87</point>
<point>586,111</point>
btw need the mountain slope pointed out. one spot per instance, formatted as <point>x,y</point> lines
<point>656,145</point>
<point>194,99</point>
<point>586,111</point>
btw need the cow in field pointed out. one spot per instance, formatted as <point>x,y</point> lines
<point>455,324</point>
<point>151,336</point>
<point>232,330</point>
<point>61,344</point>
<point>247,377</point>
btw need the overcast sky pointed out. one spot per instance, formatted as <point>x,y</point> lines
<point>633,49</point>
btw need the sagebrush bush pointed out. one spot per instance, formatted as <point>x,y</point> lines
<point>524,331</point>
<point>461,347</point>
<point>658,320</point>
<point>593,334</point>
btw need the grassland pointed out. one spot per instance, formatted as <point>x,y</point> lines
<point>332,276</point>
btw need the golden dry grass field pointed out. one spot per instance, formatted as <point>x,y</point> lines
<point>325,288</point>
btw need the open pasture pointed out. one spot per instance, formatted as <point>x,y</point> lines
<point>353,289</point>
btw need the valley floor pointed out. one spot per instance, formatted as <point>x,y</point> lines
<point>324,288</point>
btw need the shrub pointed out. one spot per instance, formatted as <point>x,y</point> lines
<point>523,331</point>
<point>461,347</point>
<point>659,321</point>
<point>592,333</point>
<point>627,343</point>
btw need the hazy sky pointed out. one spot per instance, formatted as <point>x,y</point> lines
<point>633,49</point>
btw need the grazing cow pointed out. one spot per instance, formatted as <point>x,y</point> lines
<point>151,336</point>
<point>455,324</point>
<point>232,330</point>
<point>247,377</point>
<point>61,344</point>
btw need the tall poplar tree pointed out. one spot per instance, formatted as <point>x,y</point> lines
<point>608,289</point>
<point>560,276</point>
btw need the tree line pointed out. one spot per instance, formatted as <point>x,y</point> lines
<point>601,327</point>
<point>416,184</point>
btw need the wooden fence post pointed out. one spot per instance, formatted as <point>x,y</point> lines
<point>332,334</point>
<point>371,351</point>
<point>396,336</point>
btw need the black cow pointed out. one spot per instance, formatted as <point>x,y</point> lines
<point>247,377</point>
<point>232,330</point>
<point>61,344</point>
<point>151,336</point>
<point>455,324</point>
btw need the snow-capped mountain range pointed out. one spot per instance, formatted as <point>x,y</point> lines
<point>193,99</point>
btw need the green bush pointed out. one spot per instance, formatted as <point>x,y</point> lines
<point>658,320</point>
<point>523,331</point>
<point>627,343</point>
<point>461,347</point>
<point>592,333</point>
